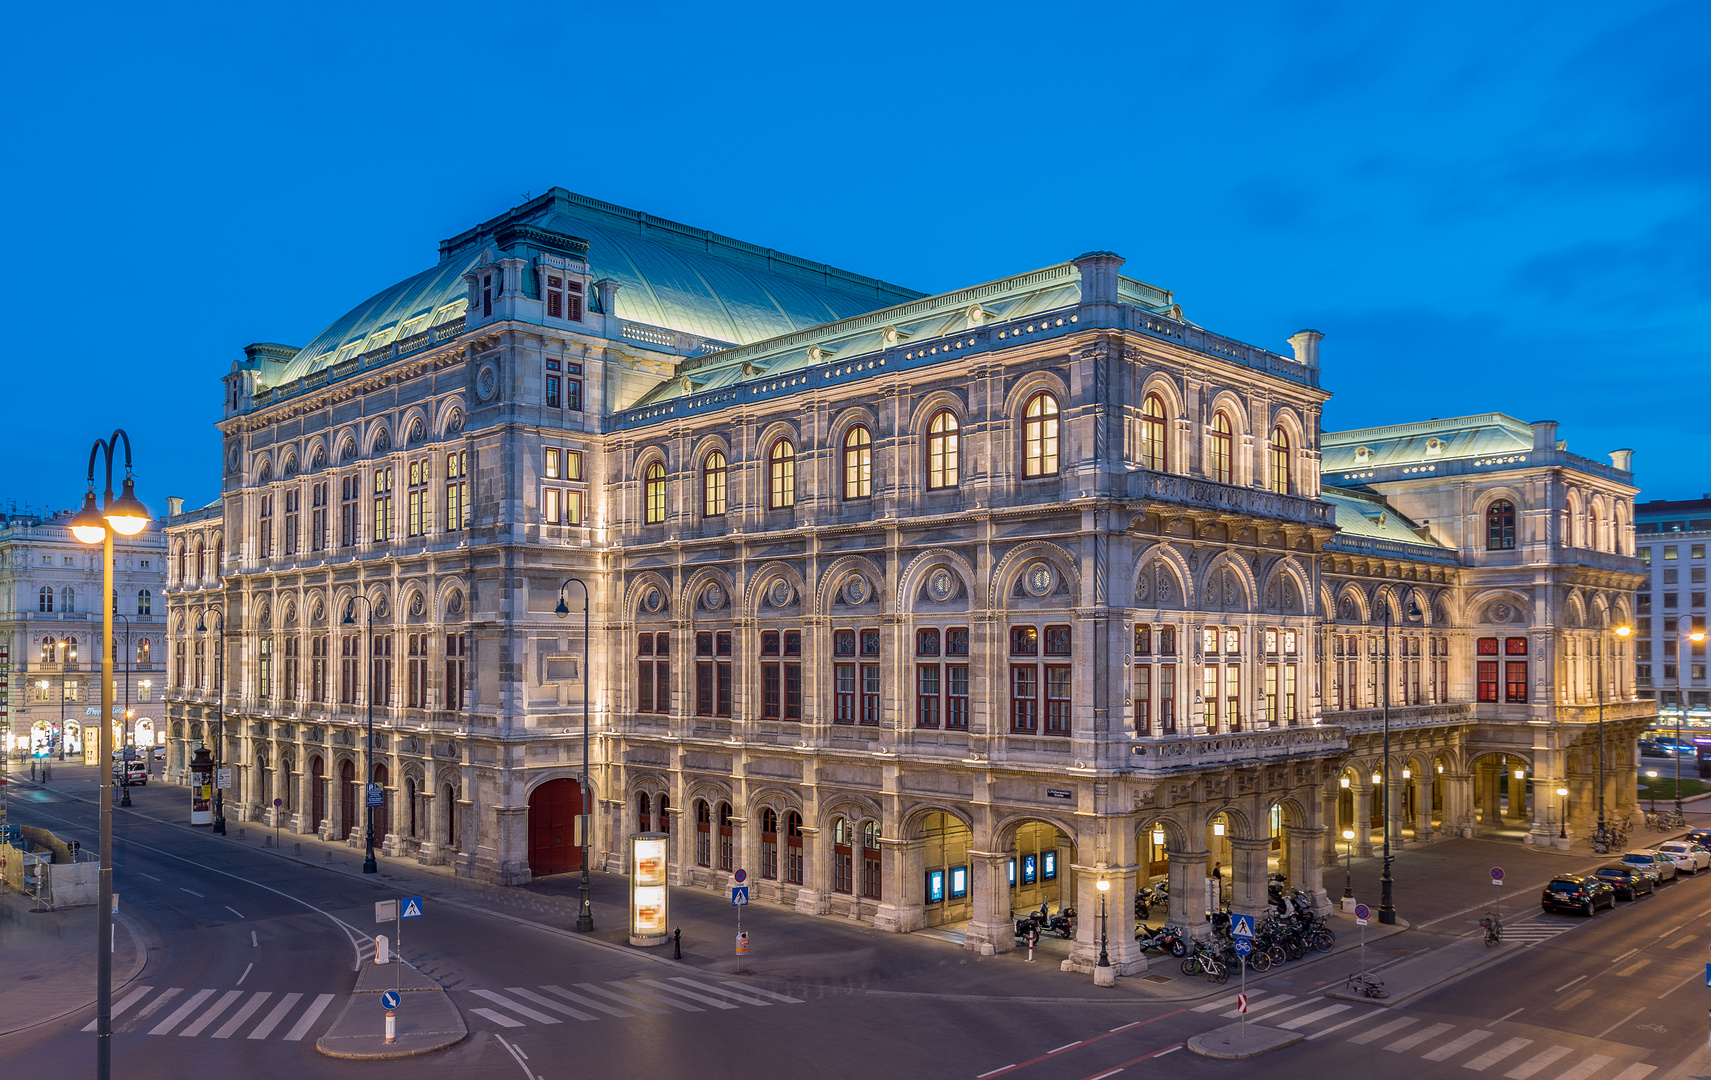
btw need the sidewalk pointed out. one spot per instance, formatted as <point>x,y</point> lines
<point>49,961</point>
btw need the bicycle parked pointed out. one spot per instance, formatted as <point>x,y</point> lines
<point>1493,927</point>
<point>1367,985</point>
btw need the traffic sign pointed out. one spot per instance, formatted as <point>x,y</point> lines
<point>1242,926</point>
<point>1361,914</point>
<point>412,908</point>
<point>277,803</point>
<point>389,1000</point>
<point>740,876</point>
<point>1242,1004</point>
<point>385,910</point>
<point>376,795</point>
<point>1497,875</point>
<point>1244,946</point>
<point>739,895</point>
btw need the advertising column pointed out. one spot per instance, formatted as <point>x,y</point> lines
<point>648,913</point>
<point>202,787</point>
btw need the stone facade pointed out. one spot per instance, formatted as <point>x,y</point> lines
<point>921,609</point>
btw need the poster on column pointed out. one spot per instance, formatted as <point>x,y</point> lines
<point>649,914</point>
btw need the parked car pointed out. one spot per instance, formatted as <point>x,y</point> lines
<point>1701,837</point>
<point>1686,856</point>
<point>1571,892</point>
<point>139,771</point>
<point>1654,863</point>
<point>1630,882</point>
<point>160,753</point>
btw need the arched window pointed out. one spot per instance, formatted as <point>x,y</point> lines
<point>47,650</point>
<point>143,651</point>
<point>1155,440</point>
<point>1279,461</point>
<point>858,463</point>
<point>653,493</point>
<point>1219,468</point>
<point>713,485</point>
<point>1500,526</point>
<point>843,875</point>
<point>783,469</point>
<point>144,600</point>
<point>1594,528</point>
<point>703,833</point>
<point>201,564</point>
<point>727,845</point>
<point>644,812</point>
<point>871,877</point>
<point>183,565</point>
<point>769,843</point>
<point>664,813</point>
<point>1039,436</point>
<point>68,599</point>
<point>942,446</point>
<point>793,862</point>
<point>44,600</point>
<point>70,644</point>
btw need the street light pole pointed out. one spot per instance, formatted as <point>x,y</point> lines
<point>1348,864</point>
<point>1694,636</point>
<point>369,866</point>
<point>1562,825</point>
<point>1104,957</point>
<point>96,526</point>
<point>1386,909</point>
<point>219,825</point>
<point>585,912</point>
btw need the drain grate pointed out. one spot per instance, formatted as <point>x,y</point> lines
<point>1154,979</point>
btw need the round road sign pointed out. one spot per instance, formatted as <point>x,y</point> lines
<point>741,876</point>
<point>277,803</point>
<point>389,1000</point>
<point>1362,911</point>
<point>1497,875</point>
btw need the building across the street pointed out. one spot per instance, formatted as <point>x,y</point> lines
<point>1672,536</point>
<point>923,610</point>
<point>50,636</point>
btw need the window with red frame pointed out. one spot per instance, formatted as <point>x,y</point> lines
<point>1515,671</point>
<point>793,862</point>
<point>644,812</point>
<point>870,678</point>
<point>843,677</point>
<point>703,833</point>
<point>1500,526</point>
<point>727,849</point>
<point>653,672</point>
<point>928,691</point>
<point>781,674</point>
<point>713,673</point>
<point>842,864</point>
<point>870,860</point>
<point>769,844</point>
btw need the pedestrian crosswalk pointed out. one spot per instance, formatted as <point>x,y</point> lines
<point>1477,1049</point>
<point>1531,933</point>
<point>518,1006</point>
<point>197,1015</point>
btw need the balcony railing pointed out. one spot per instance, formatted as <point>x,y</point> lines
<point>1173,753</point>
<point>1211,495</point>
<point>1401,716</point>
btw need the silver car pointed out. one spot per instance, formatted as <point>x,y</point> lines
<point>1655,861</point>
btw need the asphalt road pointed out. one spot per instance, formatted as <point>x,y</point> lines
<point>1611,998</point>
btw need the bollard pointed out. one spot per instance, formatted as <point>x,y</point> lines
<point>677,943</point>
<point>1033,936</point>
<point>299,848</point>
<point>240,832</point>
<point>329,856</point>
<point>391,1026</point>
<point>382,952</point>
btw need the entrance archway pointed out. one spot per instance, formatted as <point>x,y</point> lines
<point>1040,861</point>
<point>946,877</point>
<point>1500,796</point>
<point>553,807</point>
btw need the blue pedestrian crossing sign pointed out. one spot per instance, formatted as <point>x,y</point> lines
<point>739,895</point>
<point>1242,926</point>
<point>412,908</point>
<point>1244,946</point>
<point>389,1000</point>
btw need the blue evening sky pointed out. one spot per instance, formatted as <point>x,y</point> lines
<point>1485,207</point>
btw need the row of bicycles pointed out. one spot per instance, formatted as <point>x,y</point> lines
<point>1278,939</point>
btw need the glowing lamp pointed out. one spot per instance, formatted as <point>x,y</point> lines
<point>1348,834</point>
<point>87,524</point>
<point>1624,631</point>
<point>1562,791</point>
<point>1520,774</point>
<point>1344,781</point>
<point>1406,773</point>
<point>127,514</point>
<point>1217,828</point>
<point>1103,885</point>
<point>1158,835</point>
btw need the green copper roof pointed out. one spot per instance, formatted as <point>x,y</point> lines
<point>1423,442</point>
<point>668,274</point>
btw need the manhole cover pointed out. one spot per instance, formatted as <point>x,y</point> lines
<point>1154,979</point>
<point>28,978</point>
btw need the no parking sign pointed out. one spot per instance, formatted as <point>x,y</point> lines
<point>1361,913</point>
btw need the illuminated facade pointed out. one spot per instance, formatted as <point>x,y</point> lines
<point>921,609</point>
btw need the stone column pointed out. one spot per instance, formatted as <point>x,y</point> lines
<point>1248,869</point>
<point>817,872</point>
<point>1188,888</point>
<point>1331,800</point>
<point>989,927</point>
<point>903,862</point>
<point>1307,863</point>
<point>1423,807</point>
<point>1121,948</point>
<point>1363,818</point>
<point>300,821</point>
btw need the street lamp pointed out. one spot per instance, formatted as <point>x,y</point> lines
<point>369,866</point>
<point>1601,839</point>
<point>127,517</point>
<point>219,825</point>
<point>585,913</point>
<point>1386,909</point>
<point>1695,636</point>
<point>1104,887</point>
<point>1562,825</point>
<point>1348,864</point>
<point>1652,774</point>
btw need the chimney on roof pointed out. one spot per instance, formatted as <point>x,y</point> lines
<point>1306,344</point>
<point>1544,435</point>
<point>174,506</point>
<point>1622,459</point>
<point>1098,276</point>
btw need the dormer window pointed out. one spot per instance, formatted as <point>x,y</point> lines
<point>563,297</point>
<point>486,295</point>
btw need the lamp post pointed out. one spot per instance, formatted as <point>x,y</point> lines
<point>1386,909</point>
<point>1562,824</point>
<point>125,768</point>
<point>1695,635</point>
<point>584,912</point>
<point>1652,774</point>
<point>127,516</point>
<point>369,866</point>
<point>1348,864</point>
<point>1102,978</point>
<point>219,825</point>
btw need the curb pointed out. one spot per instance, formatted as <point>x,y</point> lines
<point>1232,1043</point>
<point>119,982</point>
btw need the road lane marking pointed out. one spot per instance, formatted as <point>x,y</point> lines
<point>1684,941</point>
<point>1382,1030</point>
<point>130,999</point>
<point>1630,969</point>
<point>1568,984</point>
<point>234,911</point>
<point>1510,1013</point>
<point>310,1015</point>
<point>154,1006</point>
<point>230,1027</point>
<point>265,1028</point>
<point>1624,956</point>
<point>245,975</point>
<point>151,877</point>
<point>1636,1071</point>
<point>547,1003</point>
<point>1670,931</point>
<point>1275,1013</point>
<point>1064,1047</point>
<point>1679,985</point>
<point>994,1072</point>
<point>1572,1000</point>
<point>580,1000</point>
<point>715,990</point>
<point>1456,1046</point>
<point>194,893</point>
<point>1103,1075</point>
<point>1300,1021</point>
<point>634,1004</point>
<point>212,1014</point>
<point>1368,1015</point>
<point>1497,1053</point>
<point>1214,1006</point>
<point>521,1010</point>
<point>782,997</point>
<point>254,944</point>
<point>1099,1038</point>
<point>181,1012</point>
<point>1411,1041</point>
<point>502,1021</point>
<point>717,1003</point>
<point>1620,1022</point>
<point>1536,1062</point>
<point>1586,1068</point>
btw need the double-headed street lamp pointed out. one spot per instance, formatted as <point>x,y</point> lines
<point>1387,910</point>
<point>128,517</point>
<point>219,825</point>
<point>1695,635</point>
<point>369,866</point>
<point>585,913</point>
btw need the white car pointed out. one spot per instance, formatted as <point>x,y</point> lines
<point>1689,857</point>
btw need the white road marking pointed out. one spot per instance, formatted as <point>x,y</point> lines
<point>181,1012</point>
<point>1301,1021</point>
<point>580,1000</point>
<point>634,1004</point>
<point>548,1003</point>
<point>1103,1075</point>
<point>744,998</point>
<point>1510,1013</point>
<point>1411,1041</point>
<point>502,1021</point>
<point>212,1014</point>
<point>245,975</point>
<point>265,1028</point>
<point>1572,1000</point>
<point>1382,1030</point>
<point>1636,1071</point>
<point>1624,956</point>
<point>151,877</point>
<point>154,1006</point>
<point>130,999</point>
<point>1497,1053</point>
<point>1457,1045</point>
<point>1684,941</point>
<point>1586,1068</point>
<point>1568,984</point>
<point>994,1072</point>
<point>310,1015</point>
<point>234,911</point>
<point>521,1010</point>
<point>253,942</point>
<point>780,997</point>
<point>194,893</point>
<point>1065,1046</point>
<point>1620,1022</point>
<point>1368,1015</point>
<point>1631,968</point>
<point>1536,1062</point>
<point>230,1027</point>
<point>717,1003</point>
<point>1125,1027</point>
<point>1679,985</point>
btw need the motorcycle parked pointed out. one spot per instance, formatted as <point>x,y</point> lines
<point>1168,938</point>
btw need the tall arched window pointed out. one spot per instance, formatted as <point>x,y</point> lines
<point>942,450</point>
<point>727,842</point>
<point>1500,526</point>
<point>144,600</point>
<point>143,652</point>
<point>1039,436</point>
<point>1155,444</point>
<point>713,485</point>
<point>44,599</point>
<point>1279,461</point>
<point>782,465</point>
<point>769,843</point>
<point>858,463</point>
<point>843,875</point>
<point>68,599</point>
<point>183,566</point>
<point>653,493</point>
<point>1219,468</point>
<point>793,861</point>
<point>644,812</point>
<point>201,564</point>
<point>47,650</point>
<point>703,833</point>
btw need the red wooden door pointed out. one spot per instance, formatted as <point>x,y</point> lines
<point>552,809</point>
<point>317,793</point>
<point>347,800</point>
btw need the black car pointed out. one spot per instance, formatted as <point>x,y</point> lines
<point>1629,882</point>
<point>1570,892</point>
<point>1702,837</point>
